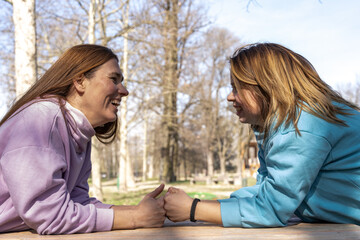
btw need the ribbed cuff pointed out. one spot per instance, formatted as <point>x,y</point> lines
<point>104,219</point>
<point>230,212</point>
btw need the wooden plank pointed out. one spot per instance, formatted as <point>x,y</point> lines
<point>200,230</point>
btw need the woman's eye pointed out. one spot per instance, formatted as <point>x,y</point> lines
<point>114,80</point>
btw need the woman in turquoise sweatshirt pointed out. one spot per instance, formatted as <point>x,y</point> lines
<point>309,146</point>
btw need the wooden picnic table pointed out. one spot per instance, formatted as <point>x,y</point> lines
<point>201,230</point>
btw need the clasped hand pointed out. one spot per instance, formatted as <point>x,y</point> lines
<point>152,210</point>
<point>175,205</point>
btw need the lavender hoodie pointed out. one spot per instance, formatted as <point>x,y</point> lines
<point>44,168</point>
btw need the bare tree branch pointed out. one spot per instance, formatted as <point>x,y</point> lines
<point>254,2</point>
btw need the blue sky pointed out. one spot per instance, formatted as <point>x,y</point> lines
<point>326,32</point>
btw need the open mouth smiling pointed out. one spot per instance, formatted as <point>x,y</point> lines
<point>115,102</point>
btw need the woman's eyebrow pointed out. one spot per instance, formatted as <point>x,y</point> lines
<point>115,74</point>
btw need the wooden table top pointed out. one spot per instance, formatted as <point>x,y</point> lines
<point>201,230</point>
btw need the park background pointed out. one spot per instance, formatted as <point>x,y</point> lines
<point>176,125</point>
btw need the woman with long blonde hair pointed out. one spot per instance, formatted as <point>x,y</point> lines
<point>309,146</point>
<point>45,148</point>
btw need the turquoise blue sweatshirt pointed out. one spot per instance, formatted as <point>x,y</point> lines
<point>315,176</point>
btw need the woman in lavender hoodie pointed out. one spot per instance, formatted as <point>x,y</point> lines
<point>45,145</point>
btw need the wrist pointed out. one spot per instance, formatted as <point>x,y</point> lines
<point>124,217</point>
<point>193,209</point>
<point>208,211</point>
<point>135,217</point>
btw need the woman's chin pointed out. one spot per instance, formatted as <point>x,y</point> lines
<point>108,120</point>
<point>243,120</point>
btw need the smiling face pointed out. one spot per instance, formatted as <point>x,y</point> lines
<point>99,96</point>
<point>247,107</point>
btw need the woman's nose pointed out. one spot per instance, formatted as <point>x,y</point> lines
<point>122,90</point>
<point>231,97</point>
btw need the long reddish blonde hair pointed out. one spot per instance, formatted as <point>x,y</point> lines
<point>58,80</point>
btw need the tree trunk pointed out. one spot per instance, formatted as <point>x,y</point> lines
<point>25,44</point>
<point>91,21</point>
<point>126,178</point>
<point>122,155</point>
<point>114,165</point>
<point>170,119</point>
<point>96,145</point>
<point>243,146</point>
<point>150,172</point>
<point>145,147</point>
<point>96,169</point>
<point>223,168</point>
<point>210,166</point>
<point>222,163</point>
<point>130,181</point>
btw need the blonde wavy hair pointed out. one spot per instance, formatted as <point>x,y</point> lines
<point>284,83</point>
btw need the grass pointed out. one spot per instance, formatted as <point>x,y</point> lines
<point>130,198</point>
<point>133,198</point>
<point>203,195</point>
<point>198,190</point>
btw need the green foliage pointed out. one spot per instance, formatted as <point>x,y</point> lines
<point>130,198</point>
<point>133,198</point>
<point>203,195</point>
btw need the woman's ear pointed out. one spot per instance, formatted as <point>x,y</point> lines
<point>80,83</point>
